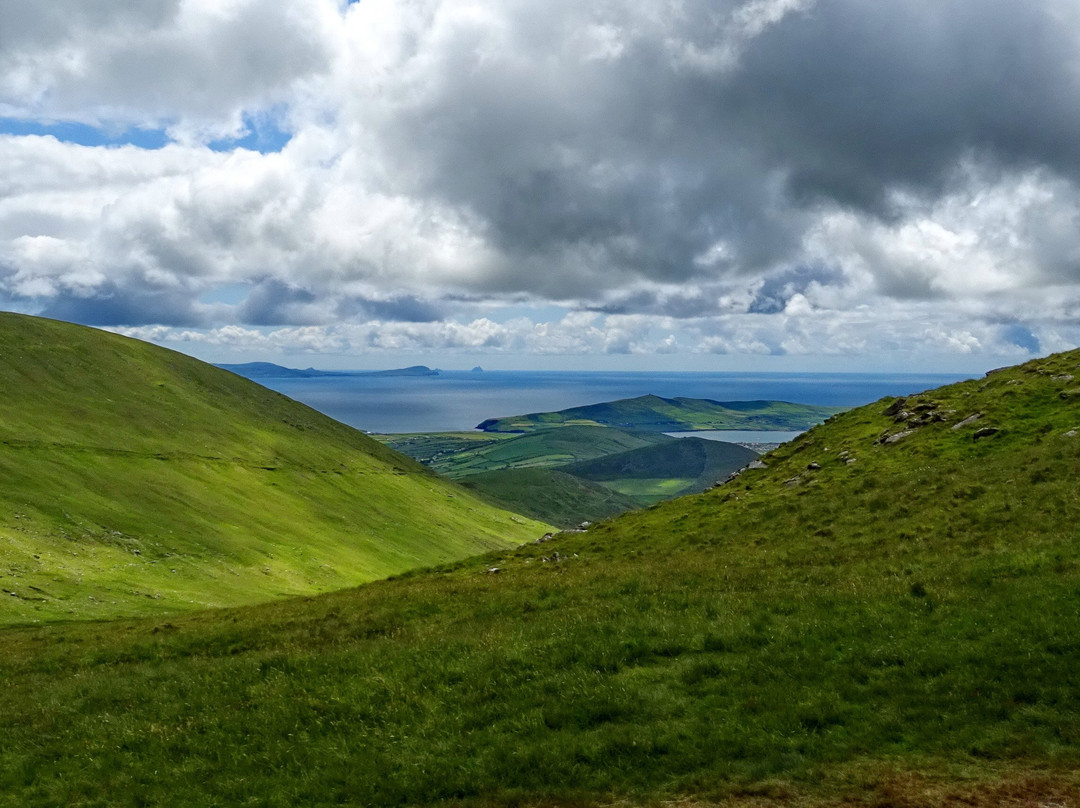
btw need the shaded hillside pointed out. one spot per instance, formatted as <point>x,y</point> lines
<point>137,479</point>
<point>692,464</point>
<point>616,470</point>
<point>461,454</point>
<point>550,495</point>
<point>886,615</point>
<point>656,414</point>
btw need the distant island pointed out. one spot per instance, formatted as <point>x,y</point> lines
<point>268,370</point>
<point>656,414</point>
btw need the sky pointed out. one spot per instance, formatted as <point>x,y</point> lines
<point>674,184</point>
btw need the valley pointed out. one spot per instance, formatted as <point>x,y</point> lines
<point>881,611</point>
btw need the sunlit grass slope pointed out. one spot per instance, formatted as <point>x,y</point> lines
<point>887,615</point>
<point>135,479</point>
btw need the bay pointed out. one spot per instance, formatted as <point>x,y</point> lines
<point>459,400</point>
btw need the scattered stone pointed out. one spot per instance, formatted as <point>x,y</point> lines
<point>794,481</point>
<point>544,538</point>
<point>969,420</point>
<point>848,461</point>
<point>886,438</point>
<point>896,406</point>
<point>1065,377</point>
<point>756,464</point>
<point>814,466</point>
<point>584,526</point>
<point>493,571</point>
<point>1071,433</point>
<point>985,432</point>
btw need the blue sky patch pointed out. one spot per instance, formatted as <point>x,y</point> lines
<point>85,134</point>
<point>263,134</point>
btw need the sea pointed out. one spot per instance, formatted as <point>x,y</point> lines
<point>459,400</point>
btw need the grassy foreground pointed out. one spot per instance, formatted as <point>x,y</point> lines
<point>888,614</point>
<point>135,480</point>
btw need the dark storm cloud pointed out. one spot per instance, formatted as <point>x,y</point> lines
<point>778,289</point>
<point>130,305</point>
<point>590,172</point>
<point>273,302</point>
<point>400,308</point>
<point>856,98</point>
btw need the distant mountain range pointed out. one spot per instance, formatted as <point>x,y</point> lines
<point>268,370</point>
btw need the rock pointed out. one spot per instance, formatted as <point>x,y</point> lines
<point>886,438</point>
<point>814,467</point>
<point>1071,433</point>
<point>794,481</point>
<point>1065,377</point>
<point>896,406</point>
<point>756,464</point>
<point>493,571</point>
<point>584,526</point>
<point>544,538</point>
<point>996,370</point>
<point>985,432</point>
<point>969,420</point>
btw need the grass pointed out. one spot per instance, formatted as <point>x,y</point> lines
<point>136,480</point>
<point>550,495</point>
<point>616,470</point>
<point>574,473</point>
<point>862,622</point>
<point>459,455</point>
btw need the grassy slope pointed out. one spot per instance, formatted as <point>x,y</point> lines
<point>897,630</point>
<point>462,454</point>
<point>550,495</point>
<point>656,414</point>
<point>685,466</point>
<point>135,479</point>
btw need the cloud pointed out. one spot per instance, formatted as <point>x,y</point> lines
<point>748,176</point>
<point>189,65</point>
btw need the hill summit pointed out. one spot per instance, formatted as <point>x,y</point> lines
<point>134,479</point>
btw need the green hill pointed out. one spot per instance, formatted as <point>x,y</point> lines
<point>549,494</point>
<point>656,414</point>
<point>653,473</point>
<point>134,479</point>
<point>462,454</point>
<point>885,615</point>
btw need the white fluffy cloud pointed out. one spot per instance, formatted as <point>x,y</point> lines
<point>802,177</point>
